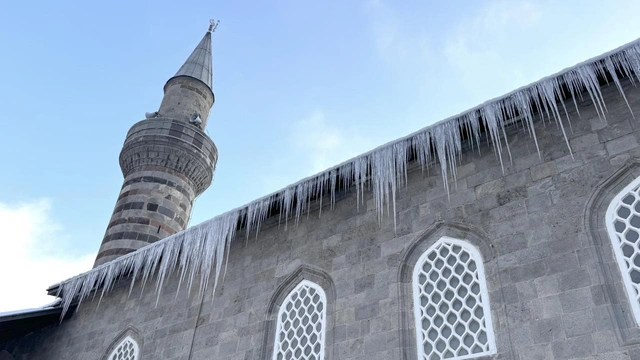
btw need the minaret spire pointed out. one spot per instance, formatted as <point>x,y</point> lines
<point>167,161</point>
<point>189,94</point>
<point>198,64</point>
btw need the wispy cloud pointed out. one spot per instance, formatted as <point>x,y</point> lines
<point>498,14</point>
<point>326,144</point>
<point>476,47</point>
<point>32,256</point>
<point>396,41</point>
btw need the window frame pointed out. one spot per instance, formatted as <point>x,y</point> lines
<point>323,316</point>
<point>484,293</point>
<point>136,347</point>
<point>610,218</point>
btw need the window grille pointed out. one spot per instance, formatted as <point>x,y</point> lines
<point>451,303</point>
<point>623,226</point>
<point>301,324</point>
<point>126,350</point>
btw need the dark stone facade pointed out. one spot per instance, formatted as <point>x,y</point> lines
<point>554,287</point>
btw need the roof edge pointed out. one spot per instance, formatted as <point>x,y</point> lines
<point>383,165</point>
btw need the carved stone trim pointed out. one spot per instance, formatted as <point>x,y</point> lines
<point>131,332</point>
<point>410,257</point>
<point>287,284</point>
<point>172,144</point>
<point>618,306</point>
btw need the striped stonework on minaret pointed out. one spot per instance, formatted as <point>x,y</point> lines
<point>167,161</point>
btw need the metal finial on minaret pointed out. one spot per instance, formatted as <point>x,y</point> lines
<point>213,25</point>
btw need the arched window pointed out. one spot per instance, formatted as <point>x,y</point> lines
<point>623,225</point>
<point>127,349</point>
<point>451,303</point>
<point>301,324</point>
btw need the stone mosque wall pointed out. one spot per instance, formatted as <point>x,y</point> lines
<point>536,275</point>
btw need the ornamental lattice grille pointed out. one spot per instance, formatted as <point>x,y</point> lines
<point>451,303</point>
<point>301,324</point>
<point>623,225</point>
<point>126,350</point>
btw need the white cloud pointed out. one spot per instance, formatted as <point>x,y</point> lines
<point>498,14</point>
<point>476,46</point>
<point>397,42</point>
<point>506,44</point>
<point>32,255</point>
<point>326,144</point>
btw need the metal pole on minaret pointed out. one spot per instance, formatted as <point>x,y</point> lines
<point>167,160</point>
<point>213,25</point>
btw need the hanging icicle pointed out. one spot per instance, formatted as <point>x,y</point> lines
<point>199,251</point>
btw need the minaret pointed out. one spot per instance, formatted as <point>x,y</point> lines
<point>167,160</point>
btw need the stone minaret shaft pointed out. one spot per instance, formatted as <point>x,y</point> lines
<point>166,160</point>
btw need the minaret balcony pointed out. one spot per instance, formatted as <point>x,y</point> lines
<point>173,144</point>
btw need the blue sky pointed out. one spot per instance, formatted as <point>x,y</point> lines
<point>300,86</point>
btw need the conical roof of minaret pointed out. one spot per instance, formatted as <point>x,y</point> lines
<point>198,65</point>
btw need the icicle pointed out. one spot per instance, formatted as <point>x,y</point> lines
<point>548,94</point>
<point>200,250</point>
<point>491,121</point>
<point>611,68</point>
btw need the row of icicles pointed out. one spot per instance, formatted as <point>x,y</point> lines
<point>195,251</point>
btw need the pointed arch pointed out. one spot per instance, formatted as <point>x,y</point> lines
<point>474,237</point>
<point>477,237</point>
<point>598,219</point>
<point>301,323</point>
<point>126,346</point>
<point>451,302</point>
<point>127,349</point>
<point>623,226</point>
<point>303,275</point>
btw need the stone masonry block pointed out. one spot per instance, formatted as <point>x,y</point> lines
<point>546,307</point>
<point>574,279</point>
<point>367,311</point>
<point>585,141</point>
<point>578,323</point>
<point>581,346</point>
<point>622,144</point>
<point>547,330</point>
<point>575,300</point>
<point>538,203</point>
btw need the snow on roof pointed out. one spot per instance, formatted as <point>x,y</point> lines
<point>14,313</point>
<point>200,249</point>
